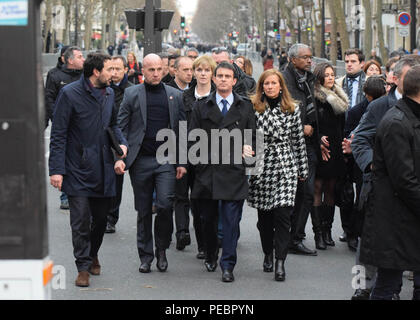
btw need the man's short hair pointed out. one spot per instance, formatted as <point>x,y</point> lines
<point>172,57</point>
<point>123,59</point>
<point>178,60</point>
<point>69,53</point>
<point>94,61</point>
<point>225,65</point>
<point>294,50</point>
<point>412,82</point>
<point>375,86</point>
<point>192,49</point>
<point>163,55</point>
<point>409,60</point>
<point>390,63</point>
<point>357,52</point>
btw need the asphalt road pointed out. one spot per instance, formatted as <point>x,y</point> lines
<point>327,276</point>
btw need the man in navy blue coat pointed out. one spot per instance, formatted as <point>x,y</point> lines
<point>81,161</point>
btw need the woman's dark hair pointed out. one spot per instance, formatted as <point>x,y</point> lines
<point>375,86</point>
<point>319,72</point>
<point>94,61</point>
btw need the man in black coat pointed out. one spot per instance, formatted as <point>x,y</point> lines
<point>364,139</point>
<point>81,162</point>
<point>391,236</point>
<point>69,72</point>
<point>119,84</point>
<point>146,110</point>
<point>300,83</point>
<point>224,181</point>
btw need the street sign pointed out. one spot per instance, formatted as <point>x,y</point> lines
<point>404,18</point>
<point>278,36</point>
<point>404,31</point>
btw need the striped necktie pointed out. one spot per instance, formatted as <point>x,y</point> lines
<point>225,109</point>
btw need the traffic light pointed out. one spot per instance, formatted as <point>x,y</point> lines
<point>275,27</point>
<point>187,30</point>
<point>182,22</point>
<point>187,39</point>
<point>230,35</point>
<point>175,31</point>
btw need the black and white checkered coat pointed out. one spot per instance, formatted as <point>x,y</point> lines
<point>285,160</point>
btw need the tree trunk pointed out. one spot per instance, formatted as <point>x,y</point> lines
<point>48,25</point>
<point>303,31</point>
<point>104,9</point>
<point>111,19</point>
<point>67,7</point>
<point>318,33</point>
<point>334,44</point>
<point>384,54</point>
<point>88,24</point>
<point>341,25</point>
<point>368,29</point>
<point>287,14</point>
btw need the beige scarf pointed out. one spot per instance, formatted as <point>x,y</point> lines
<point>336,97</point>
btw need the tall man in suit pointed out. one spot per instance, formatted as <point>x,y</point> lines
<point>216,182</point>
<point>146,109</point>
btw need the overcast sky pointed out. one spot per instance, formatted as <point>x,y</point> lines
<point>187,7</point>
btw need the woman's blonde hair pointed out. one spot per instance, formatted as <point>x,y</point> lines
<point>134,56</point>
<point>259,100</point>
<point>205,61</point>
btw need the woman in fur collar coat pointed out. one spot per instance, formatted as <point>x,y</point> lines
<point>331,103</point>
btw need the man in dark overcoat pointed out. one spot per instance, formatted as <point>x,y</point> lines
<point>81,161</point>
<point>223,181</point>
<point>391,234</point>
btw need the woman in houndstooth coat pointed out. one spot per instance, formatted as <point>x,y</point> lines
<point>273,188</point>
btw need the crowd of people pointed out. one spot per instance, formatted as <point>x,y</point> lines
<point>351,142</point>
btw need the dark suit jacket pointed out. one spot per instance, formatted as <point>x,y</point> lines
<point>222,181</point>
<point>132,116</point>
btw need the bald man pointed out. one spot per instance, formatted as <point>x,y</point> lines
<point>145,110</point>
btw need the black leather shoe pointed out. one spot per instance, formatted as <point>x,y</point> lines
<point>183,240</point>
<point>162,262</point>
<point>396,296</point>
<point>280,273</point>
<point>144,267</point>
<point>343,237</point>
<point>352,244</point>
<point>110,228</point>
<point>268,263</point>
<point>361,294</point>
<point>201,254</point>
<point>211,265</point>
<point>227,276</point>
<point>319,241</point>
<point>302,250</point>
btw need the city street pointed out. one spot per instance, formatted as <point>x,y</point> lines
<point>326,276</point>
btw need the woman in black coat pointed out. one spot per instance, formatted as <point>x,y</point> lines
<point>331,104</point>
<point>391,234</point>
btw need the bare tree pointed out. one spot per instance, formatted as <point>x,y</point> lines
<point>88,23</point>
<point>341,25</point>
<point>384,53</point>
<point>368,23</point>
<point>334,42</point>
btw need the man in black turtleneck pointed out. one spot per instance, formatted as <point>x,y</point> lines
<point>146,109</point>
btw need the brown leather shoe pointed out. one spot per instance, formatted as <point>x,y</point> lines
<point>82,279</point>
<point>95,267</point>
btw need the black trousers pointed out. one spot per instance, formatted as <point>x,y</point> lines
<point>88,224</point>
<point>349,212</point>
<point>304,198</point>
<point>114,211</point>
<point>389,282</point>
<point>274,228</point>
<point>147,175</point>
<point>230,213</point>
<point>183,205</point>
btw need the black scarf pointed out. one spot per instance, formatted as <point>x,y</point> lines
<point>355,76</point>
<point>274,103</point>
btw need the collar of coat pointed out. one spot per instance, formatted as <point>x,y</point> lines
<point>336,97</point>
<point>235,114</point>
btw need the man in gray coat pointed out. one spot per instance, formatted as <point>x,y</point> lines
<point>145,110</point>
